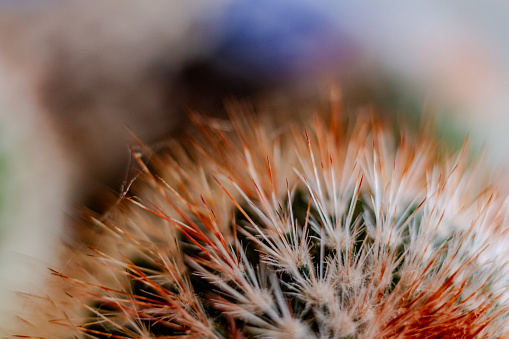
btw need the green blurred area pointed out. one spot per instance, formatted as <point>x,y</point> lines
<point>3,191</point>
<point>5,174</point>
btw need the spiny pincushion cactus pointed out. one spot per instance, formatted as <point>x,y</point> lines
<point>331,229</point>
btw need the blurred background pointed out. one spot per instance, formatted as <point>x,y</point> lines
<point>75,76</point>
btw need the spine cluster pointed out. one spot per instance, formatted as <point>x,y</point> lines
<point>330,229</point>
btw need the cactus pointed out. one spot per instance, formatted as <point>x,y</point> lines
<point>341,226</point>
